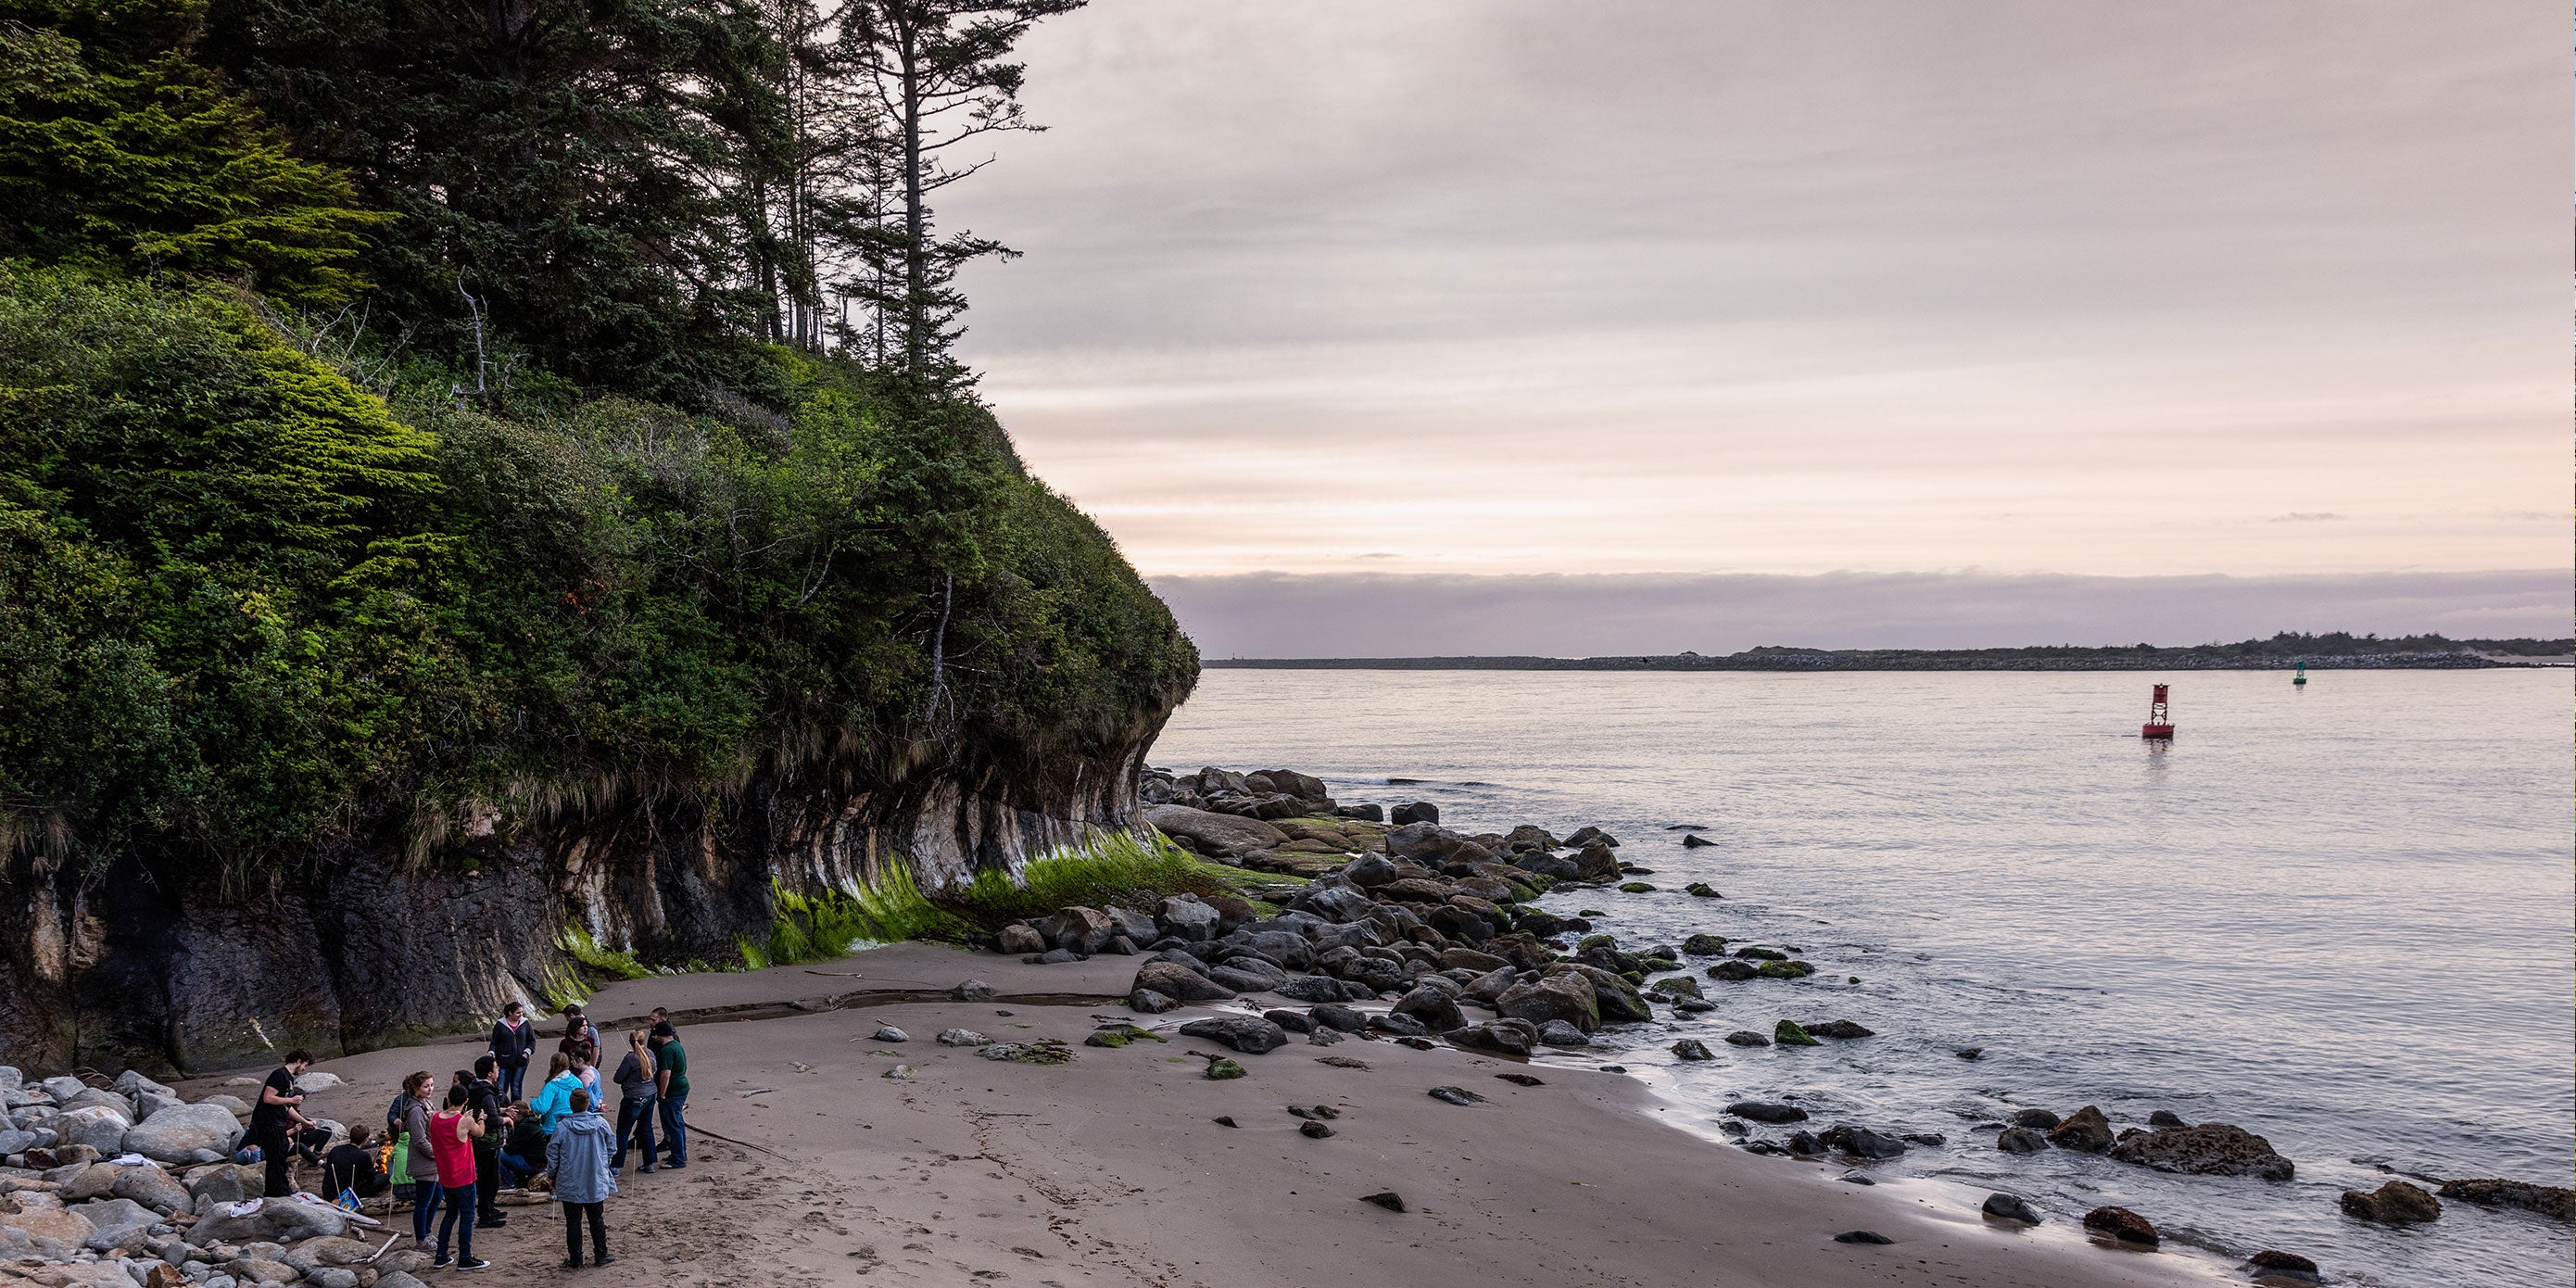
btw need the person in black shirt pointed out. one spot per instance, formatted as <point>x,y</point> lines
<point>484,1097</point>
<point>351,1168</point>
<point>514,1040</point>
<point>274,1119</point>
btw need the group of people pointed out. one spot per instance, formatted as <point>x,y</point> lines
<point>456,1150</point>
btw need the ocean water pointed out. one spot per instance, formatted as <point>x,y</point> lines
<point>2341,916</point>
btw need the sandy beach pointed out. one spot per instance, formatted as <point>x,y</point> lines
<point>809,1165</point>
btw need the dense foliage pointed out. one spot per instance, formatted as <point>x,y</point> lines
<point>245,604</point>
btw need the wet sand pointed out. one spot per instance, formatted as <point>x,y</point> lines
<point>812,1167</point>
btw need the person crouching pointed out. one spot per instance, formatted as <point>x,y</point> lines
<point>577,1157</point>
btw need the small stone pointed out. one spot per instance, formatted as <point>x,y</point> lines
<point>1862,1236</point>
<point>1226,1120</point>
<point>2020,1140</point>
<point>1855,1178</point>
<point>1220,1069</point>
<point>1388,1199</point>
<point>974,990</point>
<point>2085,1131</point>
<point>1249,1034</point>
<point>2166,1118</point>
<point>1840,1030</point>
<point>1692,1049</point>
<point>2010,1207</point>
<point>1145,1001</point>
<point>962,1038</point>
<point>1764,1111</point>
<point>1313,1130</point>
<point>1787,1033</point>
<point>1562,1033</point>
<point>2035,1119</point>
<point>1747,1038</point>
<point>1703,890</point>
<point>1636,887</point>
<point>889,1033</point>
<point>1456,1096</point>
<point>1970,1053</point>
<point>900,1073</point>
<point>2289,1263</point>
<point>1520,1079</point>
<point>2122,1224</point>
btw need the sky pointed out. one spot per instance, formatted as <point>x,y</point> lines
<point>1540,299</point>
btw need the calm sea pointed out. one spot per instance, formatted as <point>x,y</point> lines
<point>2339,916</point>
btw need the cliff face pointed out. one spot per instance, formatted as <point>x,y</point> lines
<point>146,965</point>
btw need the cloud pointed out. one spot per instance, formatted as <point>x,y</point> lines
<point>1388,615</point>
<point>2296,516</point>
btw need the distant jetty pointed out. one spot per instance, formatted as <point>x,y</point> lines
<point>2319,652</point>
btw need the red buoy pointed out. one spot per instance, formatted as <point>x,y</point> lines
<point>2159,724</point>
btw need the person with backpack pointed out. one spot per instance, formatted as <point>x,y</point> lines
<point>419,1167</point>
<point>637,1102</point>
<point>451,1138</point>
<point>578,1158</point>
<point>514,1043</point>
<point>485,1096</point>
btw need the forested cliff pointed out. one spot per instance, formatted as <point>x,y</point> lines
<point>453,514</point>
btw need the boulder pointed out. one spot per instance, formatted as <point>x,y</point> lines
<point>2010,1207</point>
<point>275,1220</point>
<point>115,1102</point>
<point>1247,975</point>
<point>1078,929</point>
<point>1434,1007</point>
<point>1841,1030</point>
<point>1765,1111</point>
<point>2548,1200</point>
<point>2210,1149</point>
<point>96,1181</point>
<point>173,1135</point>
<point>1674,986</point>
<point>115,1219</point>
<point>1414,812</point>
<point>62,1087</point>
<point>1862,1142</point>
<point>1186,916</point>
<point>2085,1131</point>
<point>1560,1033</point>
<point>1019,938</point>
<point>1566,999</point>
<point>1369,871</point>
<point>1339,1018</point>
<point>2036,1119</point>
<point>1342,904</point>
<point>234,1105</point>
<point>315,1081</point>
<point>1322,988</point>
<point>96,1126</point>
<point>1693,1049</point>
<point>2121,1224</point>
<point>153,1188</point>
<point>1249,1034</point>
<point>2288,1265</point>
<point>1179,982</point>
<point>1584,836</point>
<point>224,1183</point>
<point>2168,1118</point>
<point>62,1227</point>
<point>1788,1033</point>
<point>963,1038</point>
<point>2020,1140</point>
<point>1617,1000</point>
<point>1704,945</point>
<point>1146,1001</point>
<point>1694,841</point>
<point>2396,1203</point>
<point>1508,1037</point>
<point>1225,835</point>
<point>973,990</point>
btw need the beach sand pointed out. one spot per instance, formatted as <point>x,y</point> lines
<point>810,1166</point>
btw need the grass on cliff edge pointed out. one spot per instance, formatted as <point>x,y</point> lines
<point>1112,868</point>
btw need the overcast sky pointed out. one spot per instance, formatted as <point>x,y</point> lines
<point>1359,290</point>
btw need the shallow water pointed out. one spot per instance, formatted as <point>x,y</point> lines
<point>2342,917</point>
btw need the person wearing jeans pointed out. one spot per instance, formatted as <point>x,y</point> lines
<point>578,1158</point>
<point>420,1169</point>
<point>671,1062</point>
<point>514,1040</point>
<point>451,1137</point>
<point>638,1102</point>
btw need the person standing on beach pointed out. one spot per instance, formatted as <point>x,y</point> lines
<point>273,1121</point>
<point>638,1100</point>
<point>484,1095</point>
<point>451,1136</point>
<point>581,1037</point>
<point>420,1166</point>
<point>578,1159</point>
<point>671,1071</point>
<point>514,1043</point>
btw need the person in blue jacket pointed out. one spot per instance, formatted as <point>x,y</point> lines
<point>577,1157</point>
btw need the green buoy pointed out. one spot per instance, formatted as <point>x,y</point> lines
<point>2300,680</point>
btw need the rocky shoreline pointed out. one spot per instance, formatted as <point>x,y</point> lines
<point>1393,909</point>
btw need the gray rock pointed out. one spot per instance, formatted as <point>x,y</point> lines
<point>2036,1119</point>
<point>1436,1010</point>
<point>172,1134</point>
<point>153,1188</point>
<point>96,1126</point>
<point>14,1141</point>
<point>2166,1118</point>
<point>1862,1142</point>
<point>1766,1111</point>
<point>1369,870</point>
<point>1341,1018</point>
<point>1558,1033</point>
<point>963,1038</point>
<point>1403,1026</point>
<point>62,1088</point>
<point>889,1033</point>
<point>234,1105</point>
<point>1862,1236</point>
<point>1239,980</point>
<point>1565,999</point>
<point>2211,1149</point>
<point>1414,812</point>
<point>115,1219</point>
<point>1340,904</point>
<point>1509,1037</point>
<point>973,990</point>
<point>1690,1049</point>
<point>1747,1038</point>
<point>1321,988</point>
<point>1292,1021</point>
<point>277,1220</point>
<point>224,1183</point>
<point>2010,1207</point>
<point>1225,835</point>
<point>2020,1140</point>
<point>1077,929</point>
<point>1249,1034</point>
<point>1145,1001</point>
<point>1176,981</point>
<point>1186,916</point>
<point>1018,939</point>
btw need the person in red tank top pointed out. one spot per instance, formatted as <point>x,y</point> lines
<point>451,1143</point>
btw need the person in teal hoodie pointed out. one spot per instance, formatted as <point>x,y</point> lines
<point>554,1100</point>
<point>578,1159</point>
